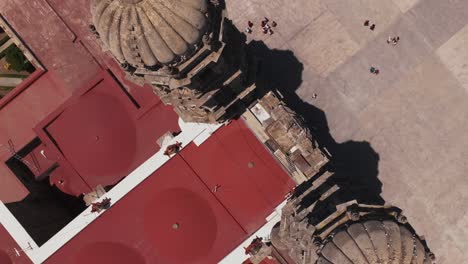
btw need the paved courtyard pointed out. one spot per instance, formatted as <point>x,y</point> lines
<point>414,113</point>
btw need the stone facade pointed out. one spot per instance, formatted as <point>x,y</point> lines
<point>285,134</point>
<point>317,227</point>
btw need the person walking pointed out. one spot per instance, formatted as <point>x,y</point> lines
<point>248,29</point>
<point>374,70</point>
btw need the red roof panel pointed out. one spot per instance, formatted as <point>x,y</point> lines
<point>247,179</point>
<point>108,253</point>
<point>97,136</point>
<point>175,216</point>
<point>230,182</point>
<point>9,250</point>
<point>143,223</point>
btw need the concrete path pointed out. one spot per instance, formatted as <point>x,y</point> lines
<point>10,82</point>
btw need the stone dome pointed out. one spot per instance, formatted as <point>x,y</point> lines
<point>150,32</point>
<point>374,242</point>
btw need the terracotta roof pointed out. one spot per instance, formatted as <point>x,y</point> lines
<point>99,136</point>
<point>7,249</point>
<point>176,217</point>
<point>149,32</point>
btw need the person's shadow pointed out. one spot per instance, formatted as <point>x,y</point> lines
<point>355,164</point>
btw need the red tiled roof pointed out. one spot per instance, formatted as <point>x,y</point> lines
<point>142,222</point>
<point>208,224</point>
<point>72,59</point>
<point>99,135</point>
<point>138,227</point>
<point>223,161</point>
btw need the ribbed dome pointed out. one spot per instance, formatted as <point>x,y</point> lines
<point>374,242</point>
<point>149,32</point>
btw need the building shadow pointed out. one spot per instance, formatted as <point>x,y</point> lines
<point>46,209</point>
<point>355,164</point>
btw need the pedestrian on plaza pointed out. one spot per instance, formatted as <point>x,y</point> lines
<point>314,96</point>
<point>273,24</point>
<point>248,29</point>
<point>374,70</point>
<point>366,23</point>
<point>270,31</point>
<point>393,40</point>
<point>372,27</point>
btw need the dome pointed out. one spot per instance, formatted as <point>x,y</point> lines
<point>149,32</point>
<point>179,220</point>
<point>374,242</point>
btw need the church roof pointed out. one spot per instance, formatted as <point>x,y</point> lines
<point>149,32</point>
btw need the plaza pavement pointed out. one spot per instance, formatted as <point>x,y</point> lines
<point>414,113</point>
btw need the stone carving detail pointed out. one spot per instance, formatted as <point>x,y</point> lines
<point>317,227</point>
<point>150,32</point>
<point>286,135</point>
